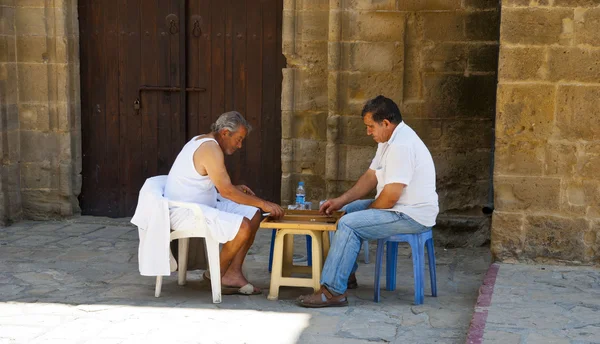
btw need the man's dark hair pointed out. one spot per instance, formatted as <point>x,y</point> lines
<point>382,108</point>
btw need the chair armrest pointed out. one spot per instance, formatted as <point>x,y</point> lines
<point>194,207</point>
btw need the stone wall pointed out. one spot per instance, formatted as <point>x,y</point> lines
<point>40,115</point>
<point>547,144</point>
<point>436,59</point>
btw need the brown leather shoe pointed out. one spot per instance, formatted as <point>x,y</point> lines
<point>316,300</point>
<point>352,282</point>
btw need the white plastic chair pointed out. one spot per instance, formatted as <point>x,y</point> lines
<point>212,250</point>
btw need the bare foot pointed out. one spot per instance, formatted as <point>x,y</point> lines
<point>235,280</point>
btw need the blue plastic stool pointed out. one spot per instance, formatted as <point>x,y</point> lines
<point>308,249</point>
<point>417,243</point>
<point>365,246</point>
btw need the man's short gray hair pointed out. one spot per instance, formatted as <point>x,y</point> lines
<point>231,121</point>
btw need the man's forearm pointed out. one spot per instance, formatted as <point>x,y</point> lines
<point>363,186</point>
<point>234,194</point>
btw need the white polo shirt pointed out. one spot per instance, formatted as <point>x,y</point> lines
<point>405,159</point>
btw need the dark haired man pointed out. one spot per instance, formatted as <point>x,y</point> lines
<point>406,201</point>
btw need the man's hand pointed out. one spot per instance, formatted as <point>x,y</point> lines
<point>245,189</point>
<point>331,205</point>
<point>275,210</point>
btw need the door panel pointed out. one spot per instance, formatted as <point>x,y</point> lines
<point>233,61</point>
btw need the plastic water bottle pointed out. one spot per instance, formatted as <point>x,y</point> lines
<point>300,195</point>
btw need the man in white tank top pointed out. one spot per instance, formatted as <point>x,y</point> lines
<point>232,213</point>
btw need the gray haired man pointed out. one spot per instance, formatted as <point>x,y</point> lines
<point>232,212</point>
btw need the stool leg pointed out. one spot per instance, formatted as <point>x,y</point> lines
<point>378,263</point>
<point>309,250</point>
<point>158,286</point>
<point>431,256</point>
<point>184,244</point>
<point>277,272</point>
<point>418,254</point>
<point>325,243</point>
<point>392,261</point>
<point>317,253</point>
<point>288,254</point>
<point>271,249</point>
<point>366,249</point>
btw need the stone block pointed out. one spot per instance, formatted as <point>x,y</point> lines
<point>310,90</point>
<point>352,131</point>
<point>587,26</point>
<point>356,88</point>
<point>42,49</point>
<point>443,26</point>
<point>525,158</point>
<point>429,130</point>
<point>483,58</point>
<point>32,21</point>
<point>388,5</point>
<point>7,20</point>
<point>7,49</point>
<point>42,204</point>
<point>61,117</point>
<point>561,158</point>
<point>445,57</point>
<point>578,111</point>
<point>8,86</point>
<point>482,26</point>
<point>306,5</point>
<point>464,198</point>
<point>576,3</point>
<point>573,64</point>
<point>451,96</point>
<point>35,146</point>
<point>372,57</point>
<point>578,196</point>
<point>373,26</point>
<point>481,4</point>
<point>457,230</point>
<point>34,117</point>
<point>11,146</point>
<point>33,82</point>
<point>525,112</point>
<point>308,157</point>
<point>526,194</point>
<point>554,237</point>
<point>522,63</point>
<point>312,25</point>
<point>508,235</point>
<point>588,166</point>
<point>65,180</point>
<point>310,125</point>
<point>536,25</point>
<point>431,5</point>
<point>315,186</point>
<point>467,135</point>
<point>9,117</point>
<point>462,167</point>
<point>309,54</point>
<point>60,83</point>
<point>36,176</point>
<point>354,161</point>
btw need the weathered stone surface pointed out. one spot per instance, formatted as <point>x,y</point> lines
<point>34,117</point>
<point>526,158</point>
<point>38,176</point>
<point>522,63</point>
<point>587,26</point>
<point>451,96</point>
<point>483,57</point>
<point>480,4</point>
<point>462,231</point>
<point>306,5</point>
<point>373,26</point>
<point>576,3</point>
<point>310,90</point>
<point>33,82</point>
<point>7,24</point>
<point>42,49</point>
<point>465,135</point>
<point>312,25</point>
<point>578,111</point>
<point>560,158</point>
<point>508,235</point>
<point>353,131</point>
<point>444,26</point>
<point>536,25</point>
<point>526,193</point>
<point>361,87</point>
<point>464,198</point>
<point>7,49</point>
<point>389,5</point>
<point>573,64</point>
<point>372,57</point>
<point>433,5</point>
<point>308,157</point>
<point>554,237</point>
<point>310,125</point>
<point>310,54</point>
<point>354,161</point>
<point>462,167</point>
<point>482,26</point>
<point>525,112</point>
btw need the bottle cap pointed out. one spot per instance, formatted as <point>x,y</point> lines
<point>301,183</point>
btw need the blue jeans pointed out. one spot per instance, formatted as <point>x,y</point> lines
<point>357,225</point>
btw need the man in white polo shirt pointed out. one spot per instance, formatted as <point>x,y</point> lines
<point>406,201</point>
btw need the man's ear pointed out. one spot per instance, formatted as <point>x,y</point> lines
<point>386,123</point>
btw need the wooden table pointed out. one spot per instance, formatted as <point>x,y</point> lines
<point>296,222</point>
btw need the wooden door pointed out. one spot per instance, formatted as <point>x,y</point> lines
<point>136,116</point>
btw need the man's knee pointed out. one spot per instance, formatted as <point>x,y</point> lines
<point>245,230</point>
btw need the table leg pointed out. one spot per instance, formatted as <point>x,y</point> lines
<point>326,244</point>
<point>288,254</point>
<point>317,254</point>
<point>277,271</point>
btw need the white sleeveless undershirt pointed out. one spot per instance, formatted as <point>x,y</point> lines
<point>184,183</point>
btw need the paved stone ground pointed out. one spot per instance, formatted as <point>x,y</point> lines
<point>77,281</point>
<point>535,304</point>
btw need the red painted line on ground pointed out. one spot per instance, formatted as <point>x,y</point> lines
<point>484,300</point>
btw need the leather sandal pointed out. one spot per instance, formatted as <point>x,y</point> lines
<point>316,300</point>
